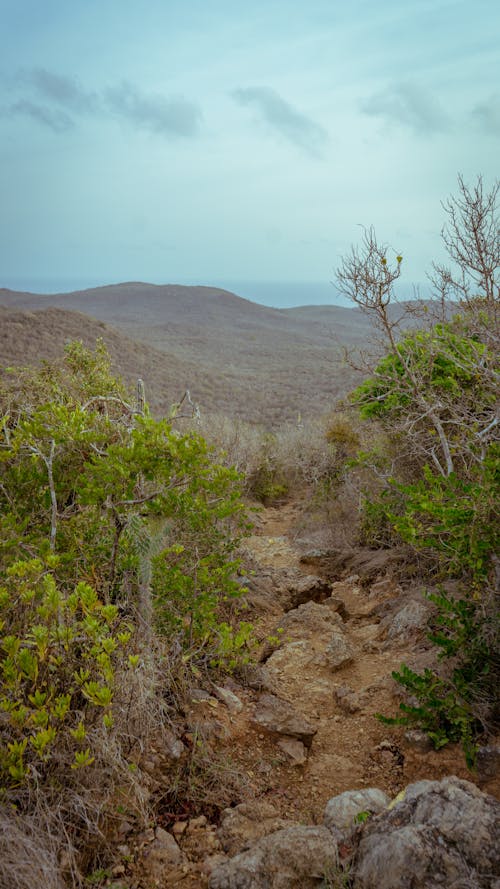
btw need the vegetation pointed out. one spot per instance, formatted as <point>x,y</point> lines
<point>117,549</point>
<point>435,397</point>
<point>119,537</point>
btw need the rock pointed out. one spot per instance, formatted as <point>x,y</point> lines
<point>301,588</point>
<point>409,621</point>
<point>312,635</point>
<point>199,695</point>
<point>384,588</point>
<point>441,834</point>
<point>211,862</point>
<point>174,748</point>
<point>338,605</point>
<point>418,740</point>
<point>278,716</point>
<point>368,564</point>
<point>244,824</point>
<point>294,858</point>
<point>232,701</point>
<point>348,700</point>
<point>339,651</point>
<point>258,677</point>
<point>308,620</point>
<point>488,761</point>
<point>341,810</point>
<point>200,839</point>
<point>294,749</point>
<point>197,823</point>
<point>162,859</point>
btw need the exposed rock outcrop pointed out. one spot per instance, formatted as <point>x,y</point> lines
<point>441,834</point>
<point>279,717</point>
<point>294,858</point>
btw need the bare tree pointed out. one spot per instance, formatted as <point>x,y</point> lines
<point>471,236</point>
<point>367,278</point>
<point>436,389</point>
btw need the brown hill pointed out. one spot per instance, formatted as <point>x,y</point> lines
<point>246,360</point>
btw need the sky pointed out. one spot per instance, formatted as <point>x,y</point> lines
<point>212,141</point>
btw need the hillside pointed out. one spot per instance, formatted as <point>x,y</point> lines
<point>239,358</point>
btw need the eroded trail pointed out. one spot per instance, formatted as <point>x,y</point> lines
<point>332,663</point>
<point>301,728</point>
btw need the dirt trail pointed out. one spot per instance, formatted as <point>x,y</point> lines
<point>351,748</point>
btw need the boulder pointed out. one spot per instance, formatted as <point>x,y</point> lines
<point>294,858</point>
<point>440,834</point>
<point>228,697</point>
<point>409,621</point>
<point>298,589</point>
<point>339,651</point>
<point>294,750</point>
<point>162,860</point>
<point>341,811</point>
<point>243,825</point>
<point>312,636</point>
<point>279,717</point>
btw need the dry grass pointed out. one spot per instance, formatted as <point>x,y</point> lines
<point>54,830</point>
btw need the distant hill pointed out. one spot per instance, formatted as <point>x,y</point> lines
<point>237,357</point>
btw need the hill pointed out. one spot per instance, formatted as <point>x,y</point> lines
<point>238,358</point>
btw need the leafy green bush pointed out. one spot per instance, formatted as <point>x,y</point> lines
<point>455,518</point>
<point>131,506</point>
<point>58,658</point>
<point>118,540</point>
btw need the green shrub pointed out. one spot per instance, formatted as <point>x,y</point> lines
<point>58,658</point>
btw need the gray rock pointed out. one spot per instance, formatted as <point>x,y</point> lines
<point>304,588</point>
<point>199,695</point>
<point>174,748</point>
<point>418,740</point>
<point>294,858</point>
<point>341,810</point>
<point>232,701</point>
<point>278,716</point>
<point>258,677</point>
<point>163,857</point>
<point>309,619</point>
<point>243,825</point>
<point>311,635</point>
<point>441,834</point>
<point>409,621</point>
<point>339,651</point>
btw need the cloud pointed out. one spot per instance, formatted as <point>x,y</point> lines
<point>293,125</point>
<point>487,115</point>
<point>64,91</point>
<point>56,120</point>
<point>171,117</point>
<point>410,105</point>
<point>57,101</point>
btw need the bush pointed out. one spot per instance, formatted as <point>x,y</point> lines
<point>59,655</point>
<point>118,539</point>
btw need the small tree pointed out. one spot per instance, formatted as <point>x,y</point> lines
<point>471,236</point>
<point>435,393</point>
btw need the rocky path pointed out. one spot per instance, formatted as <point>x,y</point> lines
<point>333,666</point>
<point>302,729</point>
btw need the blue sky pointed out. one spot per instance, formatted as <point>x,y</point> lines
<point>193,141</point>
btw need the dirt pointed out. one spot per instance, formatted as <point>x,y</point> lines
<point>351,748</point>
